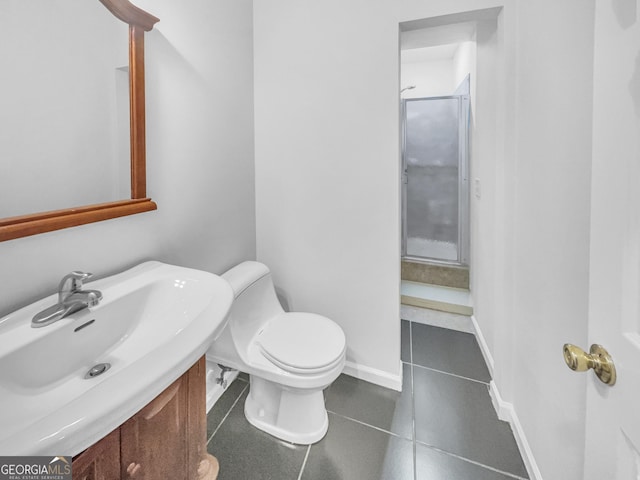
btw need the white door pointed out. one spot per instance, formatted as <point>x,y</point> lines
<point>613,413</point>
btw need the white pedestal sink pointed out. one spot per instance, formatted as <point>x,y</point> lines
<point>154,322</point>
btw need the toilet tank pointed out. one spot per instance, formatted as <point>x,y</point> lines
<point>254,305</point>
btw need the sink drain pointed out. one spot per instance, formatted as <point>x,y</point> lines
<point>97,370</point>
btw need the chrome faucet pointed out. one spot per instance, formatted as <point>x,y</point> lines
<point>71,299</point>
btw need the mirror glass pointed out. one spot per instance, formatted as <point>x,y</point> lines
<point>64,106</point>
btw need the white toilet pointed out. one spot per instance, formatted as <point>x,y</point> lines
<point>290,357</point>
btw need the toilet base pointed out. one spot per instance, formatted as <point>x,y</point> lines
<point>290,414</point>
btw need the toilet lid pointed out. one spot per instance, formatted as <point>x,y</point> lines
<point>302,341</point>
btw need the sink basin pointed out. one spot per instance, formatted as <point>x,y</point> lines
<point>154,322</point>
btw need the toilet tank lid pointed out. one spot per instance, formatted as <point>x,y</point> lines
<point>244,275</point>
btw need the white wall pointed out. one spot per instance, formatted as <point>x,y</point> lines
<point>431,78</point>
<point>551,220</point>
<point>486,160</point>
<point>464,62</point>
<point>199,154</point>
<point>432,74</point>
<point>326,109</point>
<point>328,198</point>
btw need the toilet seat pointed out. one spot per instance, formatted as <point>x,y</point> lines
<point>302,342</point>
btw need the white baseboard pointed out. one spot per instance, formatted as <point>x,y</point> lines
<point>507,413</point>
<point>505,410</point>
<point>484,347</point>
<point>373,375</point>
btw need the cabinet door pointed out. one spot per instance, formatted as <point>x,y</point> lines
<point>154,441</point>
<point>100,461</point>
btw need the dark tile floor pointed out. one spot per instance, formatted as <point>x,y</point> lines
<point>441,426</point>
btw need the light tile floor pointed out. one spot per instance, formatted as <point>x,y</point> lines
<point>441,426</point>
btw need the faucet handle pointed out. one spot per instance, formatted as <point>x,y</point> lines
<point>78,275</point>
<point>76,278</point>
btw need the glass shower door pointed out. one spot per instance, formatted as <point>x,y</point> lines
<point>435,182</point>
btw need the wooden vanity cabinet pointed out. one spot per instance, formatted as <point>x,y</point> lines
<point>100,461</point>
<point>166,439</point>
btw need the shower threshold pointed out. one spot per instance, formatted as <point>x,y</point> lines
<point>435,272</point>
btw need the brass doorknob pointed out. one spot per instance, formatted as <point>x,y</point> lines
<point>598,359</point>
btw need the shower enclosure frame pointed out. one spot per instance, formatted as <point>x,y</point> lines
<point>463,244</point>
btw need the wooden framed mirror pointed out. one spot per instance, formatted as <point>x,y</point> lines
<point>13,227</point>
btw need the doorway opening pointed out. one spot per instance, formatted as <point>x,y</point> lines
<point>437,83</point>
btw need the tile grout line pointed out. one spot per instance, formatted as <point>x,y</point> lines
<point>415,440</point>
<point>473,462</point>
<point>486,384</point>
<point>227,414</point>
<point>413,434</point>
<point>304,462</point>
<point>369,425</point>
<point>411,343</point>
<point>413,405</point>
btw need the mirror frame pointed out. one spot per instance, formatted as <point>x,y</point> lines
<point>22,226</point>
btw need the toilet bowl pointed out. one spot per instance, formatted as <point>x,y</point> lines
<point>290,357</point>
